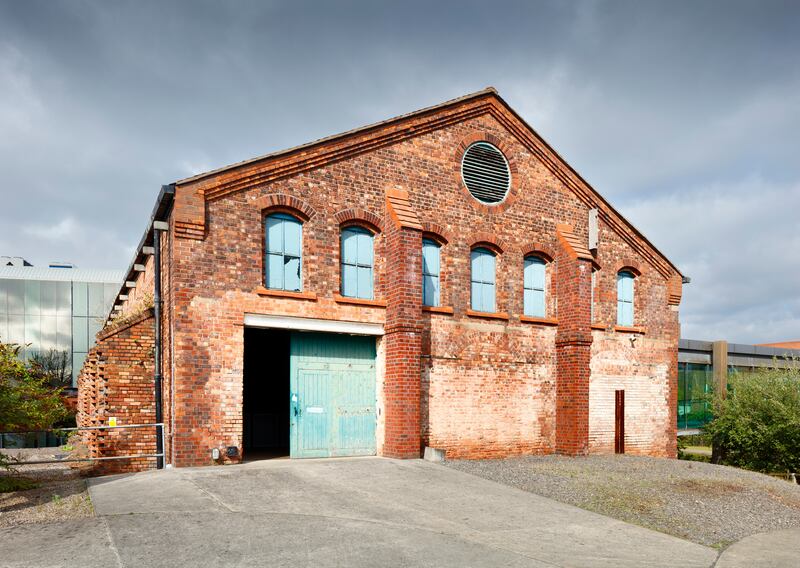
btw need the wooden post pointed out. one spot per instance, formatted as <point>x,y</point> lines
<point>719,366</point>
<point>619,422</point>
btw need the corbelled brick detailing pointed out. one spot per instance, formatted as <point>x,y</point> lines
<point>573,245</point>
<point>400,211</point>
<point>675,290</point>
<point>486,385</point>
<point>403,338</point>
<point>189,213</point>
<point>117,381</point>
<point>573,345</point>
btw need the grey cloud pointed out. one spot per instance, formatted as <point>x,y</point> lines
<point>659,105</point>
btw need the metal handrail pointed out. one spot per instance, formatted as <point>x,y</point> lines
<point>158,425</point>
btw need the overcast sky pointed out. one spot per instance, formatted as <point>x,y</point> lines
<point>685,115</point>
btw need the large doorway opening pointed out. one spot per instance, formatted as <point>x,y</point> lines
<point>266,393</point>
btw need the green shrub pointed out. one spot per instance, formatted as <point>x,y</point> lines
<point>757,426</point>
<point>28,400</point>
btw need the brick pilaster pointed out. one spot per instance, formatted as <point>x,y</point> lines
<point>573,344</point>
<point>403,329</point>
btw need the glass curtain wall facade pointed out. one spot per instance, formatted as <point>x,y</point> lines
<point>695,392</point>
<point>65,315</point>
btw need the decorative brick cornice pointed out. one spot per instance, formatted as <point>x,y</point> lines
<point>400,210</point>
<point>539,249</point>
<point>357,216</point>
<point>286,203</point>
<point>458,155</point>
<point>270,168</point>
<point>292,162</point>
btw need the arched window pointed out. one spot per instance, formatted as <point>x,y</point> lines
<point>482,274</point>
<point>625,298</point>
<point>533,285</point>
<point>284,244</point>
<point>430,272</point>
<point>357,263</point>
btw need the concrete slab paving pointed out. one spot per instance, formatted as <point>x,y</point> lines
<point>79,542</point>
<point>778,549</point>
<point>349,512</point>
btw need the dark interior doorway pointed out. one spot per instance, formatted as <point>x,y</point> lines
<point>266,393</point>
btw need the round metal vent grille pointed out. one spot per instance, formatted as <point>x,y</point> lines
<point>485,172</point>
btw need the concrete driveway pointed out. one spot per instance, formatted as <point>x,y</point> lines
<point>334,512</point>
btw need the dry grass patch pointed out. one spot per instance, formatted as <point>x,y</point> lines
<point>59,493</point>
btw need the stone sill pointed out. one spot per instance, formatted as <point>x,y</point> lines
<point>261,291</point>
<point>538,320</point>
<point>359,301</point>
<point>598,326</point>
<point>488,315</point>
<point>438,309</point>
<point>624,329</point>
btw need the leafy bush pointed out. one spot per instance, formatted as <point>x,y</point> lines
<point>757,426</point>
<point>27,399</point>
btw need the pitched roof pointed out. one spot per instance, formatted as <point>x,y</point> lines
<point>393,130</point>
<point>341,135</point>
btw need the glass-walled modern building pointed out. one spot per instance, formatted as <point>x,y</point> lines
<point>55,308</point>
<point>703,369</point>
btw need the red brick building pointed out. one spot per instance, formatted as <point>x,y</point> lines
<point>300,314</point>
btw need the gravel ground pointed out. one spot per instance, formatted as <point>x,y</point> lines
<point>709,504</point>
<point>61,493</point>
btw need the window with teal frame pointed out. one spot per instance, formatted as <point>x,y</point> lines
<point>625,298</point>
<point>482,280</point>
<point>533,280</point>
<point>357,263</point>
<point>284,243</point>
<point>430,272</point>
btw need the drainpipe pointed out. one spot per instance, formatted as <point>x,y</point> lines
<point>158,226</point>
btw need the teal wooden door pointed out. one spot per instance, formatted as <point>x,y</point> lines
<point>332,409</point>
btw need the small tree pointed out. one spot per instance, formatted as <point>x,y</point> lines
<point>27,399</point>
<point>757,426</point>
<point>55,364</point>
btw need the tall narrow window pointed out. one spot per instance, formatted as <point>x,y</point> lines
<point>482,263</point>
<point>625,298</point>
<point>594,295</point>
<point>284,242</point>
<point>533,284</point>
<point>357,261</point>
<point>430,272</point>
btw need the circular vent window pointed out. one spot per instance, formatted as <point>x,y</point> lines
<point>485,172</point>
